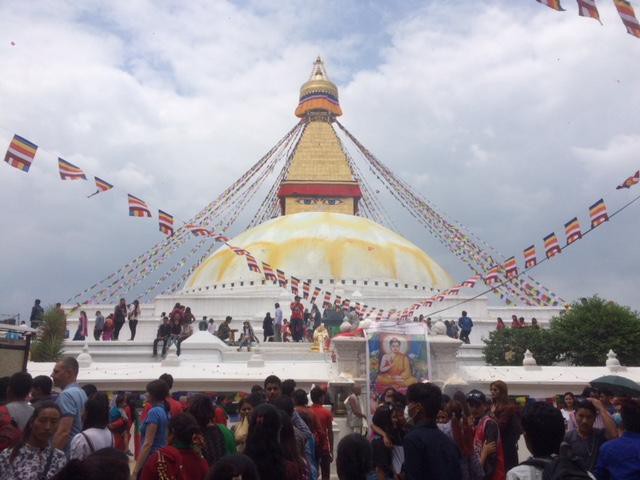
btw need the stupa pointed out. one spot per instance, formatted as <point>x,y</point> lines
<point>320,223</point>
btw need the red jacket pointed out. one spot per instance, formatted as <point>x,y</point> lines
<point>171,463</point>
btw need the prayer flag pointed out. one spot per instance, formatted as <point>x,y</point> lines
<point>551,245</point>
<point>530,256</point>
<point>492,276</point>
<point>252,263</point>
<point>269,274</point>
<point>282,278</point>
<point>20,153</point>
<point>572,230</point>
<point>555,4</point>
<point>630,182</point>
<point>238,251</point>
<point>628,17</point>
<point>346,303</point>
<point>166,222</point>
<point>598,213</point>
<point>338,301</point>
<point>427,303</point>
<point>306,288</point>
<point>219,237</point>
<point>471,282</point>
<point>454,290</point>
<point>439,298</point>
<point>101,185</point>
<point>327,300</point>
<point>316,293</point>
<point>511,267</point>
<point>295,283</point>
<point>137,207</point>
<point>588,8</point>
<point>379,315</point>
<point>197,230</point>
<point>68,171</point>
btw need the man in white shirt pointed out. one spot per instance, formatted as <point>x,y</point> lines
<point>277,322</point>
<point>355,411</point>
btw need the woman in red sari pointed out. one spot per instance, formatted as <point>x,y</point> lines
<point>179,460</point>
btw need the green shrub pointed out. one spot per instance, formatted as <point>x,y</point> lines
<point>50,340</point>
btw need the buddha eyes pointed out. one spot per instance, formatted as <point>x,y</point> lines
<point>315,201</point>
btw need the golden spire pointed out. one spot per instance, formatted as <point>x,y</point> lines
<point>318,94</point>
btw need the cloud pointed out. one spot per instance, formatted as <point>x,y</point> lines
<point>503,115</point>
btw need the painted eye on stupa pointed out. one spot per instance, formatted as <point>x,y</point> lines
<point>307,201</point>
<point>331,201</point>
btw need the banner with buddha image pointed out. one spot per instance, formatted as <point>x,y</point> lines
<point>398,356</point>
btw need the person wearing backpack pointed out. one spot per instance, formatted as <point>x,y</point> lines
<point>94,435</point>
<point>543,433</point>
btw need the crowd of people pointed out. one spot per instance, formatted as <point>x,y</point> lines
<point>286,433</point>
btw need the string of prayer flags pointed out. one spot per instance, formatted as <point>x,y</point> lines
<point>588,8</point>
<point>165,221</point>
<point>269,274</point>
<point>630,181</point>
<point>511,267</point>
<point>252,263</point>
<point>551,245</point>
<point>555,4</point>
<point>282,279</point>
<point>68,171</point>
<point>572,230</point>
<point>628,17</point>
<point>20,153</point>
<point>492,276</point>
<point>530,260</point>
<point>137,207</point>
<point>598,213</point>
<point>101,185</point>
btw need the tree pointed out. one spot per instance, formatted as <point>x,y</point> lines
<point>581,336</point>
<point>49,345</point>
<point>584,334</point>
<point>507,347</point>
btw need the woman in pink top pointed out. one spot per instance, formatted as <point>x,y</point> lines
<point>83,327</point>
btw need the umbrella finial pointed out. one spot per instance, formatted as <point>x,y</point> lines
<point>612,360</point>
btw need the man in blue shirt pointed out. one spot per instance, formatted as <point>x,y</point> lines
<point>620,459</point>
<point>428,453</point>
<point>465,324</point>
<point>71,402</point>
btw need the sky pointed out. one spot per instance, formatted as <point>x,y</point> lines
<point>510,117</point>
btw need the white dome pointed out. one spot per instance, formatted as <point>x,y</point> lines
<point>314,245</point>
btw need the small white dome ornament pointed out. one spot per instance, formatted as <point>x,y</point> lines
<point>528,360</point>
<point>612,362</point>
<point>84,359</point>
<point>171,360</point>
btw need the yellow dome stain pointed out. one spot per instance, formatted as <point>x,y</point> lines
<point>317,245</point>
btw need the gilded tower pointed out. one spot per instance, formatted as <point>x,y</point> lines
<point>319,177</point>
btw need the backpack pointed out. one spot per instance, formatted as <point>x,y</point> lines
<point>10,434</point>
<point>560,467</point>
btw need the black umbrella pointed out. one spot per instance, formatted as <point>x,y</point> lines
<point>617,385</point>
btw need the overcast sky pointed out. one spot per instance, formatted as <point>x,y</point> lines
<point>509,116</point>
